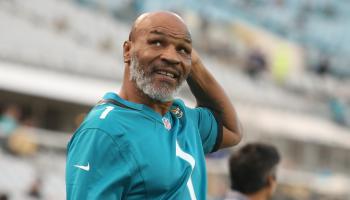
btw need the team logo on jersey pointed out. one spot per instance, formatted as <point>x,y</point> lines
<point>177,112</point>
<point>166,123</point>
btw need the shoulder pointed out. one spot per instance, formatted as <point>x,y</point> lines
<point>108,118</point>
<point>194,113</point>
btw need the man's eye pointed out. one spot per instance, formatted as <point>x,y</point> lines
<point>184,51</point>
<point>156,43</point>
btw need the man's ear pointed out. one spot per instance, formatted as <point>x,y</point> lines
<point>271,185</point>
<point>126,51</point>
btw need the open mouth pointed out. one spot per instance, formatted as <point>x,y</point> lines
<point>168,74</point>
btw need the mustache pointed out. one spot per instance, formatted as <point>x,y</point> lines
<point>158,66</point>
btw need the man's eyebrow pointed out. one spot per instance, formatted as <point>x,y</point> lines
<point>186,38</point>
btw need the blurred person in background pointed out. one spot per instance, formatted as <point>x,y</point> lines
<point>4,196</point>
<point>142,143</point>
<point>323,67</point>
<point>35,189</point>
<point>9,120</point>
<point>255,63</point>
<point>253,172</point>
<point>338,111</point>
<point>16,134</point>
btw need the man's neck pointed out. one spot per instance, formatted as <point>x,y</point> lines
<point>260,195</point>
<point>133,94</point>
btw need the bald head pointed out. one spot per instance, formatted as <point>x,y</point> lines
<point>159,20</point>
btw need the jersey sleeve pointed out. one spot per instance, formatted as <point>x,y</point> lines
<point>209,126</point>
<point>97,167</point>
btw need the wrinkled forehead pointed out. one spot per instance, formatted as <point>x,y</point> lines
<point>165,32</point>
<point>167,25</point>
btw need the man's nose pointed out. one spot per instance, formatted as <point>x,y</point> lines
<point>170,55</point>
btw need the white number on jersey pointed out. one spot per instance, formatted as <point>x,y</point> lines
<point>105,112</point>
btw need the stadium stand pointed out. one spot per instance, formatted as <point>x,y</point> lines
<point>57,57</point>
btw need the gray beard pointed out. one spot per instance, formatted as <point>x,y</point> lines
<point>163,93</point>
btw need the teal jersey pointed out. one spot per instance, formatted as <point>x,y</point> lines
<point>129,151</point>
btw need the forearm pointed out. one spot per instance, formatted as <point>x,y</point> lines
<point>209,93</point>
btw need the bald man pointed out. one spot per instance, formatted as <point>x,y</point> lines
<point>142,143</point>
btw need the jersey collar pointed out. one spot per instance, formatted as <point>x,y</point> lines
<point>140,107</point>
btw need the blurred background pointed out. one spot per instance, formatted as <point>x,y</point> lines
<point>284,64</point>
